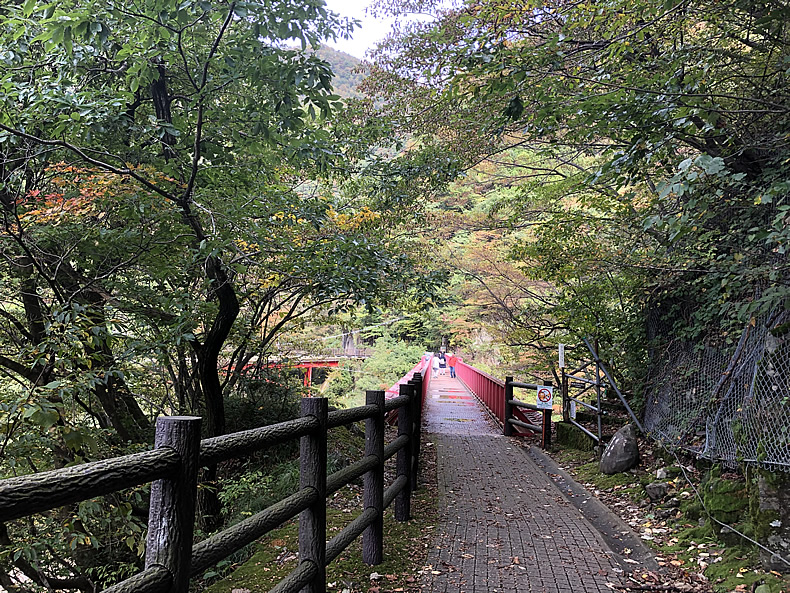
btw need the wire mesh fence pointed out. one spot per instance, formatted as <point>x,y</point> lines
<point>728,404</point>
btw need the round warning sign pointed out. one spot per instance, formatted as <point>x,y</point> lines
<point>545,397</point>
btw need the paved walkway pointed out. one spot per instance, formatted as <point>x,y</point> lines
<point>504,526</point>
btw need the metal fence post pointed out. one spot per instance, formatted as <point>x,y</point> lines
<point>508,409</point>
<point>373,481</point>
<point>403,498</point>
<point>312,474</point>
<point>545,437</point>
<point>597,355</point>
<point>566,402</point>
<point>598,398</point>
<point>171,517</point>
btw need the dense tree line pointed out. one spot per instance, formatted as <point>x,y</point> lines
<point>644,145</point>
<point>176,193</point>
<point>180,185</point>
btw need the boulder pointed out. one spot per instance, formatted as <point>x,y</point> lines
<point>657,490</point>
<point>622,452</point>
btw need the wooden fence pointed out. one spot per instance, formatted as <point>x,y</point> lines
<point>171,558</point>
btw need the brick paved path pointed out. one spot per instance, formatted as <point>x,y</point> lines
<point>503,526</point>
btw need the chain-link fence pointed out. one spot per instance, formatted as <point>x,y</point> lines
<point>725,404</point>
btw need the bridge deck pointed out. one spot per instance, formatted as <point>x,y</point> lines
<point>504,526</point>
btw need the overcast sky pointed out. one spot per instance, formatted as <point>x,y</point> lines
<point>366,36</point>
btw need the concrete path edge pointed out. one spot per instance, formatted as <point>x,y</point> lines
<point>614,531</point>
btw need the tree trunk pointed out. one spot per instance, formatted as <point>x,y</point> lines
<point>161,98</point>
<point>208,354</point>
<point>122,409</point>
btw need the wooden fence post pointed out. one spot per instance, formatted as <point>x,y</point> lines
<point>546,434</point>
<point>403,498</point>
<point>416,410</point>
<point>507,429</point>
<point>171,517</point>
<point>373,482</point>
<point>312,474</point>
<point>417,378</point>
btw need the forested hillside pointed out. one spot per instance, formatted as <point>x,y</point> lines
<point>345,74</point>
<point>180,187</point>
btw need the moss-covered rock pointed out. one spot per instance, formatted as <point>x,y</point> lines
<point>770,516</point>
<point>726,501</point>
<point>584,417</point>
<point>673,471</point>
<point>573,437</point>
<point>692,509</point>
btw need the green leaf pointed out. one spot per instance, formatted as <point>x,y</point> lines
<point>711,165</point>
<point>67,42</point>
<point>28,8</point>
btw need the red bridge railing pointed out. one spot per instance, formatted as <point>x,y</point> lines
<point>490,391</point>
<point>512,414</point>
<point>420,368</point>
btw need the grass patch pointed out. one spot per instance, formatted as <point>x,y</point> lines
<point>567,456</point>
<point>589,472</point>
<point>405,549</point>
<point>405,544</point>
<point>585,469</point>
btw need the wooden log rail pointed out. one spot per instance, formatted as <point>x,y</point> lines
<point>172,559</point>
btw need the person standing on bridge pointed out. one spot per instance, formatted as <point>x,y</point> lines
<point>452,361</point>
<point>435,366</point>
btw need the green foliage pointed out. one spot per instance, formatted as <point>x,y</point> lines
<point>273,396</point>
<point>391,360</point>
<point>340,386</point>
<point>103,535</point>
<point>253,490</point>
<point>175,196</point>
<point>648,146</point>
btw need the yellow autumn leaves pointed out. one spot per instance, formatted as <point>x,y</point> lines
<point>354,221</point>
